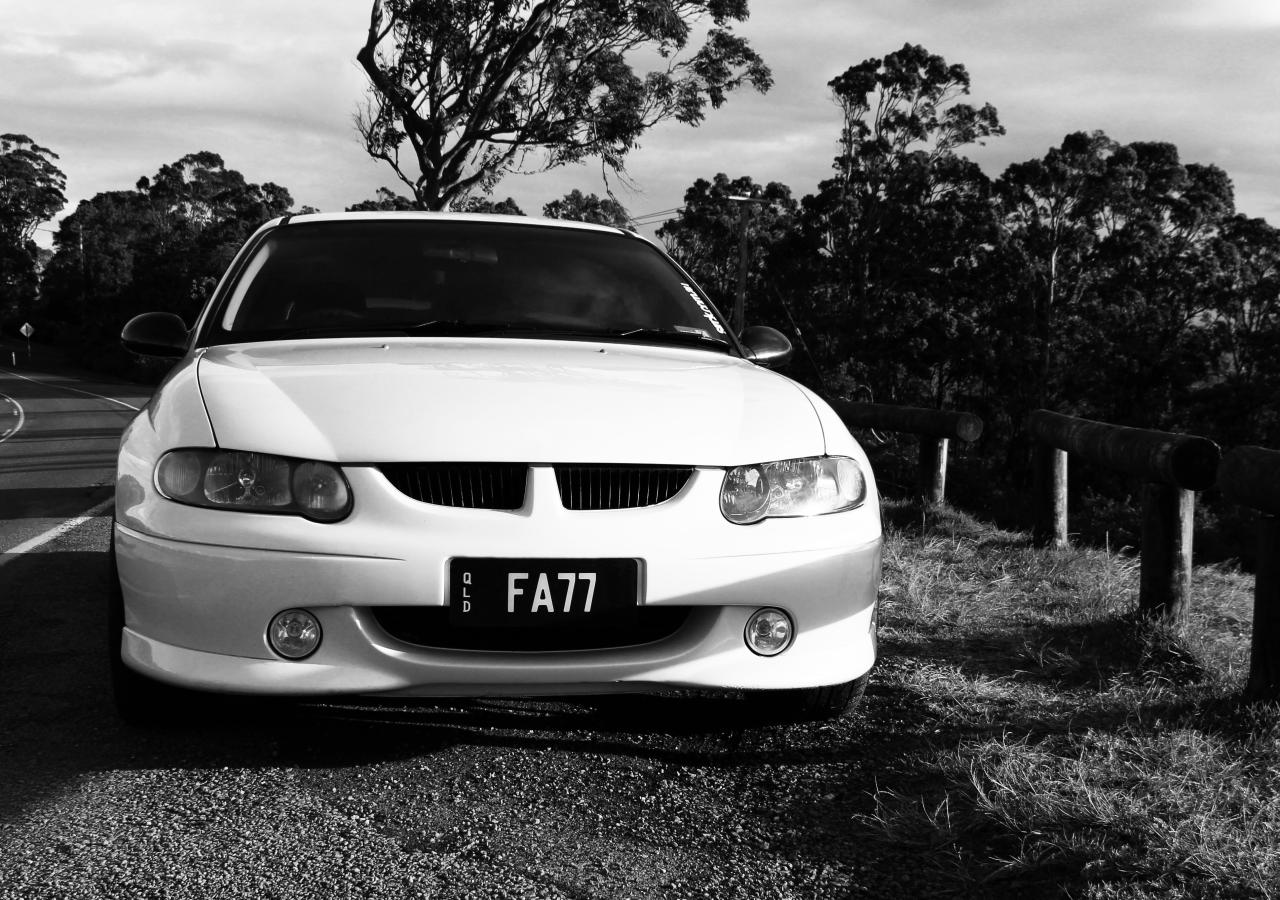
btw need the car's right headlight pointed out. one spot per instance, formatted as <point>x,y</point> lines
<point>254,482</point>
<point>812,486</point>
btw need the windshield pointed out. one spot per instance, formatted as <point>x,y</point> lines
<point>412,277</point>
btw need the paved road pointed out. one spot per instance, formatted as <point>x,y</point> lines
<point>58,438</point>
<point>625,797</point>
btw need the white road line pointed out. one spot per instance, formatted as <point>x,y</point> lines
<point>63,387</point>
<point>17,411</point>
<point>56,531</point>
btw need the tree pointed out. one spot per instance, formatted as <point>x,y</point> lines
<point>883,264</point>
<point>580,207</point>
<point>1158,225</point>
<point>507,207</point>
<point>1243,407</point>
<point>1051,210</point>
<point>161,246</point>
<point>469,88</point>
<point>705,236</point>
<point>1110,255</point>
<point>31,186</point>
<point>901,127</point>
<point>386,200</point>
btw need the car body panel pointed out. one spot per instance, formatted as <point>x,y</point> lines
<point>503,400</point>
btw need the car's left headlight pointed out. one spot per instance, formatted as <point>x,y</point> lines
<point>254,482</point>
<point>812,486</point>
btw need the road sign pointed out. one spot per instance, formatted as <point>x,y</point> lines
<point>27,330</point>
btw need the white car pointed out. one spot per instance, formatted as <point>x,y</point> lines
<point>436,455</point>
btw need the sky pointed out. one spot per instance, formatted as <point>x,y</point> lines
<point>119,89</point>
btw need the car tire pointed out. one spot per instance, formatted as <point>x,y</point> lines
<point>138,700</point>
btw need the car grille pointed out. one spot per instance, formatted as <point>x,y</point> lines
<point>502,485</point>
<point>469,485</point>
<point>618,487</point>
<point>429,626</point>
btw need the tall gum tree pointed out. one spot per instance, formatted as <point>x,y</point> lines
<point>894,236</point>
<point>31,186</point>
<point>463,92</point>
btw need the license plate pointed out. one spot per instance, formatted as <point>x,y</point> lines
<point>507,593</point>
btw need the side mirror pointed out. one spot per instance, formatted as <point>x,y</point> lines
<point>766,346</point>
<point>156,334</point>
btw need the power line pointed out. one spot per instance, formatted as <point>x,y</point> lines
<point>653,218</point>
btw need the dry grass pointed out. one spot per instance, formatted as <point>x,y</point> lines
<point>1074,750</point>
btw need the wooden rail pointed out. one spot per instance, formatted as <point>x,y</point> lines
<point>1250,476</point>
<point>1173,466</point>
<point>936,429</point>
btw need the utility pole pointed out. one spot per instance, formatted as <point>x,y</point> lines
<point>740,301</point>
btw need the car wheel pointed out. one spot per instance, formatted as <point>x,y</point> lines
<point>138,700</point>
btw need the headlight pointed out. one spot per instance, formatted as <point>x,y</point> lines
<point>792,487</point>
<point>254,482</point>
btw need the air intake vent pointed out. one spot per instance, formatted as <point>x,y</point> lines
<point>469,485</point>
<point>429,626</point>
<point>619,487</point>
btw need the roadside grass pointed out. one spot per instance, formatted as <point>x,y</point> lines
<point>1071,748</point>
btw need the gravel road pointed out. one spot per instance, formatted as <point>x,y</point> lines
<point>624,797</point>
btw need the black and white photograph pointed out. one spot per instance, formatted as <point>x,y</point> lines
<point>598,449</point>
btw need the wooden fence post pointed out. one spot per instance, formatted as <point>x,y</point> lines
<point>1050,528</point>
<point>935,428</point>
<point>1250,476</point>
<point>1172,465</point>
<point>933,469</point>
<point>1264,647</point>
<point>1168,516</point>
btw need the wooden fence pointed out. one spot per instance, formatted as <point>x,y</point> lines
<point>1250,476</point>
<point>1173,467</point>
<point>936,429</point>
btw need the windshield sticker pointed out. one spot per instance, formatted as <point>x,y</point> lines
<point>706,310</point>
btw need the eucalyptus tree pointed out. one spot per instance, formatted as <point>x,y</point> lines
<point>31,186</point>
<point>462,92</point>
<point>160,246</point>
<point>31,192</point>
<point>1052,208</point>
<point>889,245</point>
<point>580,207</point>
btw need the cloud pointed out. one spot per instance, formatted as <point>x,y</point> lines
<point>1233,15</point>
<point>128,86</point>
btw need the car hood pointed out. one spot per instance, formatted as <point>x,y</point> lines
<point>502,400</point>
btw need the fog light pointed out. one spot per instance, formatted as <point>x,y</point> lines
<point>294,633</point>
<point>769,632</point>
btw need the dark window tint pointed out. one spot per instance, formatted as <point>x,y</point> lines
<point>320,278</point>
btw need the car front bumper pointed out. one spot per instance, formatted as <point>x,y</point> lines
<point>200,587</point>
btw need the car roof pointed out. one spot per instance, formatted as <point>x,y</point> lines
<point>490,218</point>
